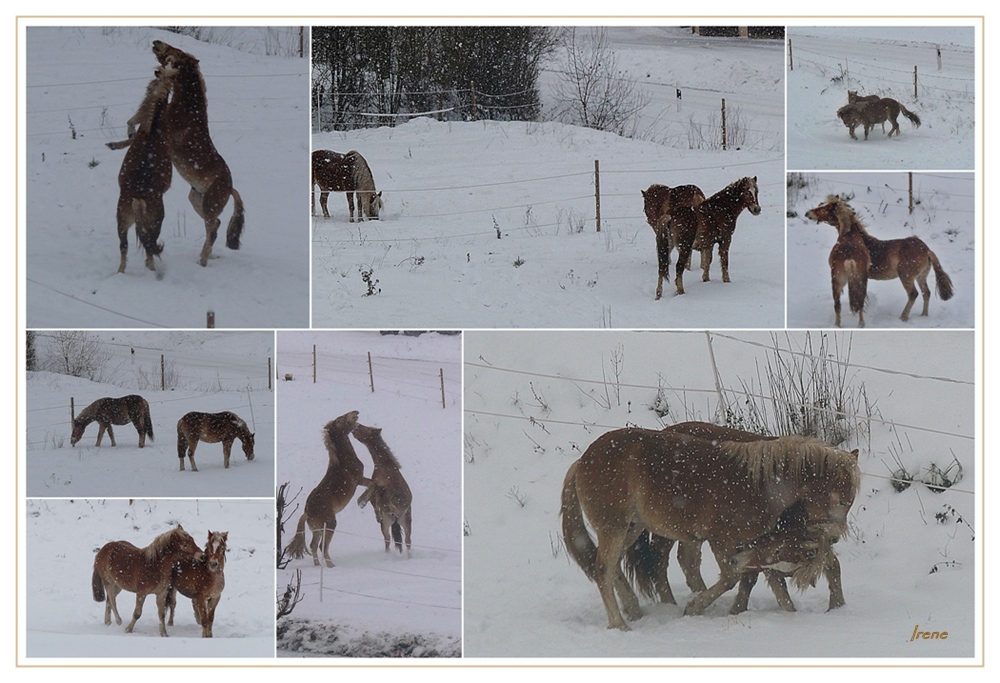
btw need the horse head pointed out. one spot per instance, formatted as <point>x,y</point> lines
<point>215,550</point>
<point>750,195</point>
<point>78,427</point>
<point>181,542</point>
<point>247,442</point>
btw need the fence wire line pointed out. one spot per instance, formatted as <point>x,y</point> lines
<point>93,305</point>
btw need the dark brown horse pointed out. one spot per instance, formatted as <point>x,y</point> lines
<point>388,491</point>
<point>343,475</point>
<point>202,580</point>
<point>335,172</point>
<point>866,112</point>
<point>114,411</point>
<point>702,227</point>
<point>146,171</point>
<point>908,258</point>
<point>633,479</point>
<point>212,428</point>
<point>119,566</point>
<point>659,201</point>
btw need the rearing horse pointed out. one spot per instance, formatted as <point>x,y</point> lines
<point>690,489</point>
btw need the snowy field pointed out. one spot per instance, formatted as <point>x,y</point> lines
<point>82,86</point>
<point>943,217</point>
<point>536,400</point>
<point>374,603</point>
<point>63,620</point>
<point>492,224</point>
<point>829,61</point>
<point>206,371</point>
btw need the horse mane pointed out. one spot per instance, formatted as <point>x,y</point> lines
<point>792,458</point>
<point>363,179</point>
<point>154,103</point>
<point>847,218</point>
<point>331,445</point>
<point>155,549</point>
<point>381,453</point>
<point>88,414</point>
<point>731,191</point>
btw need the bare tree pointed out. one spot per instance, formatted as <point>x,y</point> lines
<point>76,353</point>
<point>291,597</point>
<point>592,90</point>
<point>282,503</point>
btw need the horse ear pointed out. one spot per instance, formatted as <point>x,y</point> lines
<point>855,453</point>
<point>379,194</point>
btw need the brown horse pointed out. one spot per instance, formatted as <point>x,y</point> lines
<point>659,201</point>
<point>388,491</point>
<point>146,171</point>
<point>119,565</point>
<point>853,97</point>
<point>866,112</point>
<point>908,258</point>
<point>703,226</point>
<point>212,428</point>
<point>114,411</point>
<point>335,172</point>
<point>202,580</point>
<point>633,479</point>
<point>343,475</point>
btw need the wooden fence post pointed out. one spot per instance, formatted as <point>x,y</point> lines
<point>791,66</point>
<point>723,123</point>
<point>314,364</point>
<point>443,404</point>
<point>914,81</point>
<point>597,191</point>
<point>163,373</point>
<point>371,374</point>
<point>910,175</point>
<point>210,320</point>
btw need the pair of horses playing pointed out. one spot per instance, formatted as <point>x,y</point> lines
<point>170,129</point>
<point>350,173</point>
<point>857,257</point>
<point>173,563</point>
<point>386,490</point>
<point>868,110</point>
<point>682,217</point>
<point>771,504</point>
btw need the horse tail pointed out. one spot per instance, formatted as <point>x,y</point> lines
<point>857,285</point>
<point>235,228</point>
<point>97,585</point>
<point>914,119</point>
<point>645,564</point>
<point>147,419</point>
<point>297,548</point>
<point>397,535</point>
<point>941,280</point>
<point>579,545</point>
<point>181,441</point>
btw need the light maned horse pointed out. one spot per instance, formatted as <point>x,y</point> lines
<point>193,153</point>
<point>344,473</point>
<point>702,227</point>
<point>633,479</point>
<point>350,173</point>
<point>114,411</point>
<point>146,171</point>
<point>119,566</point>
<point>388,491</point>
<point>212,428</point>
<point>867,112</point>
<point>908,258</point>
<point>201,580</point>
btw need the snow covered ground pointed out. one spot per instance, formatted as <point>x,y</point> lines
<point>943,217</point>
<point>82,86</point>
<point>492,224</point>
<point>829,61</point>
<point>374,603</point>
<point>536,400</point>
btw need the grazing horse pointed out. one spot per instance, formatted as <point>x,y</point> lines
<point>703,226</point>
<point>212,428</point>
<point>202,580</point>
<point>343,475</point>
<point>690,489</point>
<point>908,258</point>
<point>866,112</point>
<point>146,171</point>
<point>119,565</point>
<point>335,172</point>
<point>388,491</point>
<point>114,411</point>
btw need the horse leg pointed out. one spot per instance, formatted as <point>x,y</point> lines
<point>323,194</point>
<point>683,256</point>
<point>148,226</point>
<point>161,612</point>
<point>208,617</point>
<point>227,449</point>
<point>780,589</point>
<point>314,545</point>
<point>350,205</point>
<point>747,581</point>
<point>111,590</point>
<point>724,259</point>
<point>328,530</point>
<point>662,258</point>
<point>100,433</point>
<point>689,559</point>
<point>728,577</point>
<point>706,261</point>
<point>386,524</point>
<point>140,597</point>
<point>838,287</point>
<point>911,297</point>
<point>610,547</point>
<point>193,443</point>
<point>407,525</point>
<point>125,218</point>
<point>832,571</point>
<point>212,224</point>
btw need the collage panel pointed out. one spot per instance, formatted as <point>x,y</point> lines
<point>882,98</point>
<point>369,494</point>
<point>88,559</point>
<point>510,197</point>
<point>588,455</point>
<point>186,141</point>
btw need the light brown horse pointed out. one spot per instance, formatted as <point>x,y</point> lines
<point>202,580</point>
<point>343,475</point>
<point>193,154</point>
<point>114,411</point>
<point>908,258</point>
<point>146,171</point>
<point>212,428</point>
<point>335,172</point>
<point>703,226</point>
<point>867,112</point>
<point>119,566</point>
<point>689,489</point>
<point>388,491</point>
<point>659,201</point>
